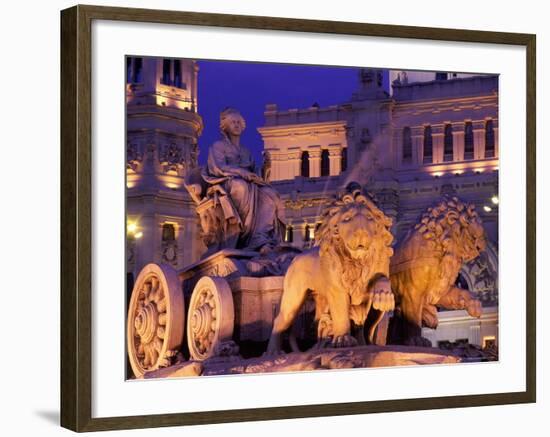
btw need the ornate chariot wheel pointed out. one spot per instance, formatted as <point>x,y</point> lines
<point>156,319</point>
<point>211,317</point>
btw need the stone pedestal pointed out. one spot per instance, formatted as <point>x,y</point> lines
<point>322,359</point>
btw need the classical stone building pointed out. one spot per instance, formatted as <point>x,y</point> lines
<point>163,126</point>
<point>429,137</point>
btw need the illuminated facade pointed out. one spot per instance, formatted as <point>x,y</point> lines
<point>163,127</point>
<point>409,146</point>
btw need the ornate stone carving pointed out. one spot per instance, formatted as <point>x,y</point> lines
<point>299,204</point>
<point>211,320</point>
<point>484,275</point>
<point>155,319</point>
<point>427,262</point>
<point>134,157</point>
<point>224,267</point>
<point>169,250</point>
<point>347,272</point>
<point>171,157</point>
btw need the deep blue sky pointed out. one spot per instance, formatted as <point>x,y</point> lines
<point>249,86</point>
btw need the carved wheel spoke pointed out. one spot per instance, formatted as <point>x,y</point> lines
<point>211,317</point>
<point>155,319</point>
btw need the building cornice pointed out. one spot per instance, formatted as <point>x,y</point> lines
<point>314,128</point>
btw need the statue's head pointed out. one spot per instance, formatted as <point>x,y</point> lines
<point>232,122</point>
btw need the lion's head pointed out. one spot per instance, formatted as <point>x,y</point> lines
<point>355,238</point>
<point>354,225</point>
<point>453,226</point>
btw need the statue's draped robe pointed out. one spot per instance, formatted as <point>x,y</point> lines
<point>259,206</point>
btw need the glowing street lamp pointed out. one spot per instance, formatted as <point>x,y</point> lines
<point>133,230</point>
<point>494,199</point>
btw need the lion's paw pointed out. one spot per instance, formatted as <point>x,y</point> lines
<point>382,295</point>
<point>474,308</point>
<point>343,341</point>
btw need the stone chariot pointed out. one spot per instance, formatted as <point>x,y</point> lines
<point>232,294</point>
<point>202,311</point>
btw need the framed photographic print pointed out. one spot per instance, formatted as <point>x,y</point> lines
<point>340,216</point>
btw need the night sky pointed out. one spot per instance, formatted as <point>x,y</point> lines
<point>250,86</point>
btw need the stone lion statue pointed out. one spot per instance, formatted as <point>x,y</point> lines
<point>426,265</point>
<point>347,272</point>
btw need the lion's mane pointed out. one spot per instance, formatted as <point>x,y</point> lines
<point>445,228</point>
<point>428,260</point>
<point>356,274</point>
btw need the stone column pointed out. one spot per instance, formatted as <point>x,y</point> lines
<point>277,161</point>
<point>294,162</point>
<point>149,74</point>
<point>335,157</point>
<point>479,139</point>
<point>274,175</point>
<point>315,162</point>
<point>437,143</point>
<point>285,169</point>
<point>417,134</point>
<point>458,141</point>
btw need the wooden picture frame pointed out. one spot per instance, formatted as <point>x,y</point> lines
<point>76,217</point>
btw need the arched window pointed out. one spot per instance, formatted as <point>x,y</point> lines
<point>289,234</point>
<point>325,163</point>
<point>304,170</point>
<point>468,140</point>
<point>344,159</point>
<point>168,232</point>
<point>428,145</point>
<point>407,144</point>
<point>489,139</point>
<point>448,143</point>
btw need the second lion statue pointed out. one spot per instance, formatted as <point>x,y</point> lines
<point>426,265</point>
<point>347,272</point>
